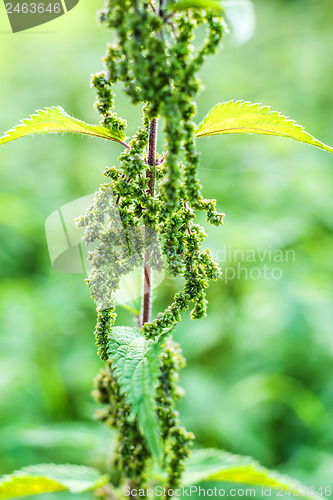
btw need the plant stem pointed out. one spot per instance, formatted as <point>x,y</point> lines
<point>161,9</point>
<point>152,144</point>
<point>147,272</point>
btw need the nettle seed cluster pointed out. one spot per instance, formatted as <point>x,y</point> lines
<point>154,58</point>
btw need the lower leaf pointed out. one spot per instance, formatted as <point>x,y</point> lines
<point>48,478</point>
<point>137,366</point>
<point>216,465</point>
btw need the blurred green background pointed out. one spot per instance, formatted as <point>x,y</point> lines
<point>259,379</point>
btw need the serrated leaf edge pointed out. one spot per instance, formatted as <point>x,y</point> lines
<point>147,345</point>
<point>25,122</point>
<point>268,112</point>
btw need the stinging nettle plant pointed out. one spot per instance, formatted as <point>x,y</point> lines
<point>144,216</point>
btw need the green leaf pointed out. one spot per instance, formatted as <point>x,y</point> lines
<point>54,120</point>
<point>217,465</point>
<point>194,4</point>
<point>239,117</point>
<point>137,367</point>
<point>47,478</point>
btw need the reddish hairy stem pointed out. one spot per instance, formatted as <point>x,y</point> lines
<point>152,144</point>
<point>147,272</point>
<point>125,145</point>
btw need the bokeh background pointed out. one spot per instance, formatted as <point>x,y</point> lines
<point>259,379</point>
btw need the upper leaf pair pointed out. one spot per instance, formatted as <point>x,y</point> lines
<point>233,117</point>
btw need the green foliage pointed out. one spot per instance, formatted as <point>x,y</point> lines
<point>47,478</point>
<point>156,62</point>
<point>238,117</point>
<point>55,120</point>
<point>136,364</point>
<point>194,4</point>
<point>220,466</point>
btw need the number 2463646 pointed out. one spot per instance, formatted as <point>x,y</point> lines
<point>33,8</point>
